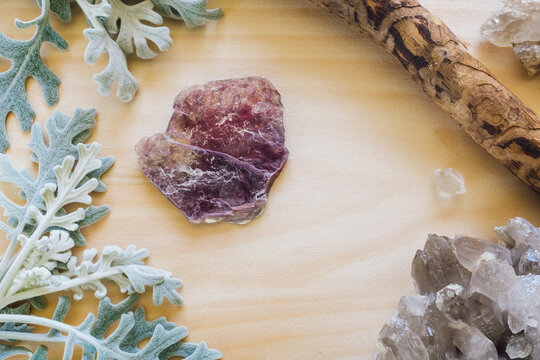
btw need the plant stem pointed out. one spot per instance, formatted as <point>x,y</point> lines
<point>7,257</point>
<point>7,300</point>
<point>23,253</point>
<point>44,223</point>
<point>69,329</point>
<point>21,336</point>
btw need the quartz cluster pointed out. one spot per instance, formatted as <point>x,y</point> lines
<point>221,152</point>
<point>517,24</point>
<point>478,300</point>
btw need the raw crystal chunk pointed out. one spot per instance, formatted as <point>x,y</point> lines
<point>410,333</point>
<point>468,251</point>
<point>473,309</point>
<point>397,341</point>
<point>450,182</point>
<point>520,231</point>
<point>521,236</point>
<point>221,152</point>
<point>517,24</point>
<point>529,263</point>
<point>523,304</point>
<point>518,347</point>
<point>474,345</point>
<point>437,266</point>
<point>476,303</point>
<point>492,277</point>
<point>529,54</point>
<point>450,302</point>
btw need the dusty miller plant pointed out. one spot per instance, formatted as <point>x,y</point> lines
<point>38,260</point>
<point>116,29</point>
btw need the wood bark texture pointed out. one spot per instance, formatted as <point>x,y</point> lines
<point>490,113</point>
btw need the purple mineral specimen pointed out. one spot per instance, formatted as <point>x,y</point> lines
<point>221,152</point>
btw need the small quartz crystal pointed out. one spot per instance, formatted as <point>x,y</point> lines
<point>450,182</point>
<point>477,300</point>
<point>517,24</point>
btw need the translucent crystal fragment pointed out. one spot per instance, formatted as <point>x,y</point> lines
<point>437,266</point>
<point>450,182</point>
<point>397,341</point>
<point>414,305</point>
<point>529,54</point>
<point>523,304</point>
<point>450,302</point>
<point>529,263</point>
<point>519,231</point>
<point>479,299</point>
<point>517,24</point>
<point>520,236</point>
<point>411,332</point>
<point>518,347</point>
<point>476,310</point>
<point>492,277</point>
<point>469,250</point>
<point>474,345</point>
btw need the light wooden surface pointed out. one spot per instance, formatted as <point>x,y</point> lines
<point>322,270</point>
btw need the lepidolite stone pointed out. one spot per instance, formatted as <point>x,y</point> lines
<point>477,300</point>
<point>221,152</point>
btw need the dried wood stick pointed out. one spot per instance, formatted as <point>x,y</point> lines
<point>490,113</point>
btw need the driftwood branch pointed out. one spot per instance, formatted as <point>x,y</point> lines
<point>490,113</point>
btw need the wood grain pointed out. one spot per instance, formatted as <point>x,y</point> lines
<point>458,82</point>
<point>320,272</point>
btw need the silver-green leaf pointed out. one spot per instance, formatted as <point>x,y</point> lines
<point>193,12</point>
<point>133,34</point>
<point>164,340</point>
<point>26,62</point>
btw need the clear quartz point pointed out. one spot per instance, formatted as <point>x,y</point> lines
<point>450,182</point>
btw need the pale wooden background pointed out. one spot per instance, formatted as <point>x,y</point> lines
<point>322,270</point>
